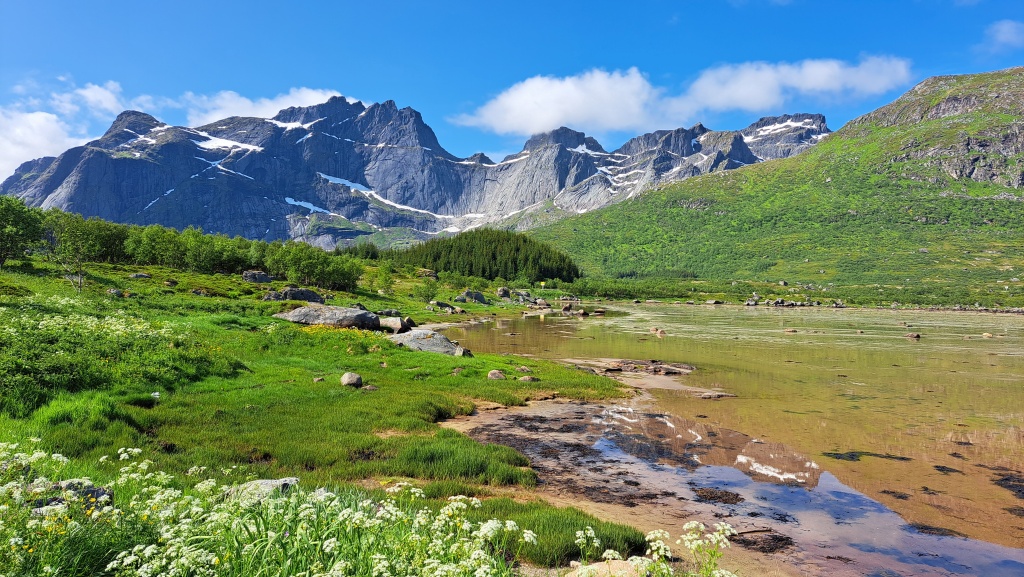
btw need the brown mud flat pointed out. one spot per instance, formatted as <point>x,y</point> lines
<point>558,437</point>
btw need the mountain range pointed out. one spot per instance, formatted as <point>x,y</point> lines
<point>342,170</point>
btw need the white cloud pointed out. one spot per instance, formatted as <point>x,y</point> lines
<point>1003,36</point>
<point>598,100</point>
<point>204,109</point>
<point>28,135</point>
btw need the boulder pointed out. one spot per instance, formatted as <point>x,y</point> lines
<point>369,388</point>
<point>409,322</point>
<point>256,276</point>
<point>352,380</point>
<point>496,375</point>
<point>542,303</point>
<point>394,324</point>
<point>139,275</point>
<point>357,306</point>
<point>262,488</point>
<point>474,296</point>
<point>913,335</point>
<point>332,316</point>
<point>117,293</point>
<point>503,292</point>
<point>713,302</point>
<point>294,294</point>
<point>460,298</point>
<point>389,313</point>
<point>430,341</point>
<point>529,379</point>
<point>171,282</point>
<point>524,369</point>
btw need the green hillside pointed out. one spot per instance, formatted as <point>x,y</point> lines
<point>922,193</point>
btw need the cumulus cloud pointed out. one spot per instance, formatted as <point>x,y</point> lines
<point>599,101</point>
<point>204,109</point>
<point>28,135</point>
<point>1003,36</point>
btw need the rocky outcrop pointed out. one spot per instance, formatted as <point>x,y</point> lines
<point>430,341</point>
<point>332,316</point>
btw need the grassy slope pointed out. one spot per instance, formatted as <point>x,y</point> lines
<point>844,212</point>
<point>270,419</point>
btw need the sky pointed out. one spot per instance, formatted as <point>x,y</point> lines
<point>484,75</point>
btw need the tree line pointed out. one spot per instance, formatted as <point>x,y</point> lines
<point>484,253</point>
<point>72,241</point>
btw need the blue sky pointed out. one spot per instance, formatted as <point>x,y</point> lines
<point>484,75</point>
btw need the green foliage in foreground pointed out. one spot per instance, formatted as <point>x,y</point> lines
<point>207,524</point>
<point>484,253</point>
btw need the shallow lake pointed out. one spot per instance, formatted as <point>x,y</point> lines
<point>930,428</point>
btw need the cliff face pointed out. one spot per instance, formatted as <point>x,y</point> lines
<point>356,169</point>
<point>950,128</point>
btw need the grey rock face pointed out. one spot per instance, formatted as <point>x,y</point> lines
<point>333,172</point>
<point>430,341</point>
<point>352,380</point>
<point>332,316</point>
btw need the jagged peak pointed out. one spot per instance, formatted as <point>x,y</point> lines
<point>336,107</point>
<point>800,120</point>
<point>133,120</point>
<point>479,158</point>
<point>563,136</point>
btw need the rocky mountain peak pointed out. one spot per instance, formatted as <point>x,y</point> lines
<point>134,121</point>
<point>563,136</point>
<point>480,158</point>
<point>336,108</point>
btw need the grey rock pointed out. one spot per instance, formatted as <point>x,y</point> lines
<point>256,276</point>
<point>430,341</point>
<point>294,294</point>
<point>503,292</point>
<point>389,313</point>
<point>352,380</point>
<point>115,292</point>
<point>528,379</point>
<point>139,275</point>
<point>474,296</point>
<point>460,299</point>
<point>332,316</point>
<point>394,324</point>
<point>260,489</point>
<point>542,303</point>
<point>409,322</point>
<point>496,375</point>
<point>370,388</point>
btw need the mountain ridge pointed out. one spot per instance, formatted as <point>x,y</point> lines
<point>341,170</point>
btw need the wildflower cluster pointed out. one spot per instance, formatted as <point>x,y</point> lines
<point>705,548</point>
<point>168,527</point>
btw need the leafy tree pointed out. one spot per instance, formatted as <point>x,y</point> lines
<point>383,279</point>
<point>73,242</point>
<point>20,226</point>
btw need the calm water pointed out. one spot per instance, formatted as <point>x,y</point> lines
<point>931,429</point>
